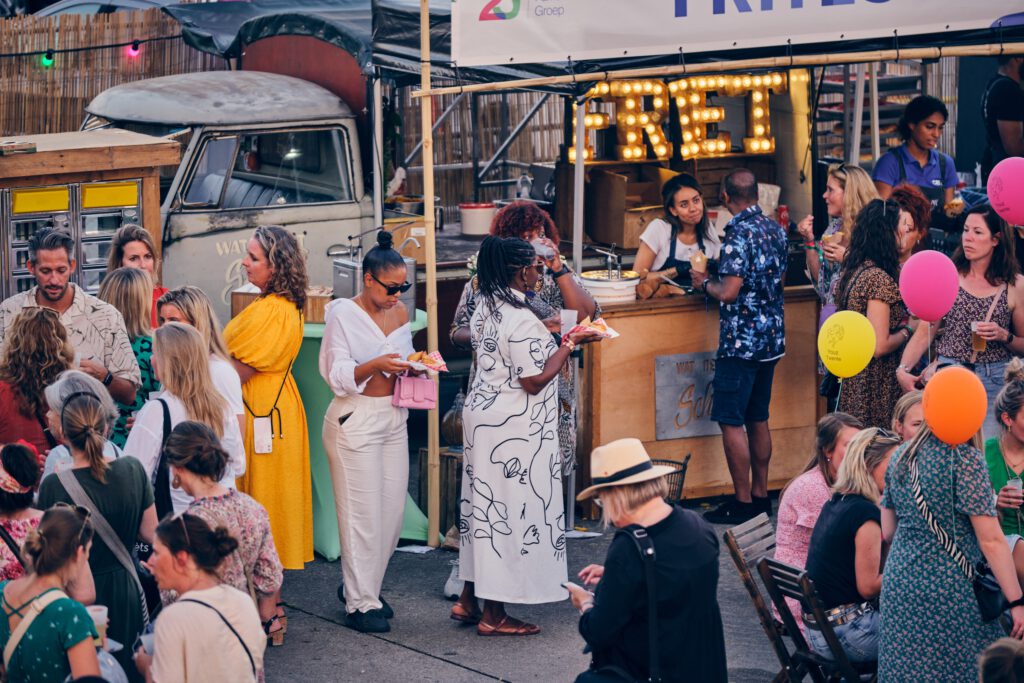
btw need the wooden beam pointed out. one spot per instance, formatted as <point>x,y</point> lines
<point>737,65</point>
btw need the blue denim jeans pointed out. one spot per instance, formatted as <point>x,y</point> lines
<point>991,376</point>
<point>859,638</point>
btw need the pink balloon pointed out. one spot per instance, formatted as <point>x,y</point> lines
<point>929,284</point>
<point>1006,190</point>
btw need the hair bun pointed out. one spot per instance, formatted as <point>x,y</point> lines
<point>1014,370</point>
<point>385,240</point>
<point>223,542</point>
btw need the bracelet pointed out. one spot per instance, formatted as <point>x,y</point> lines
<point>907,331</point>
<point>810,245</point>
<point>108,379</point>
<point>555,274</point>
<point>1013,603</point>
<point>704,286</point>
<point>590,604</point>
<point>903,367</point>
<point>569,344</point>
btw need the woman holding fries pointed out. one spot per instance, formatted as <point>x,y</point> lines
<point>557,289</point>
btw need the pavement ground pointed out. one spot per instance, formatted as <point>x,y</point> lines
<point>425,645</point>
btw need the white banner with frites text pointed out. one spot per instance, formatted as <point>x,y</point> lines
<point>525,31</point>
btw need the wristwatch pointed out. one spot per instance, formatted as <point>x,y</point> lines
<point>108,379</point>
<point>704,285</point>
<point>1009,337</point>
<point>559,273</point>
<point>1016,603</point>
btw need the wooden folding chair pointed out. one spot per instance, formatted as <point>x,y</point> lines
<point>748,543</point>
<point>784,581</point>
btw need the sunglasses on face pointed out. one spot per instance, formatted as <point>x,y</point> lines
<point>391,290</point>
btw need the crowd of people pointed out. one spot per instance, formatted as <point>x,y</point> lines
<point>129,476</point>
<point>155,477</point>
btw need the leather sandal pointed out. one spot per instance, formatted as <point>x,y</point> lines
<point>460,613</point>
<point>507,627</point>
<point>282,617</point>
<point>275,638</point>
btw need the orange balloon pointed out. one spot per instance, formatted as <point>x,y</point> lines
<point>955,405</point>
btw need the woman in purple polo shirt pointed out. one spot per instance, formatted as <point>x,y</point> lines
<point>917,161</point>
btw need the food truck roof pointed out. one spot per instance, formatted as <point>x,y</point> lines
<point>218,98</point>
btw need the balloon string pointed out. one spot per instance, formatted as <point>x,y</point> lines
<point>839,394</point>
<point>930,359</point>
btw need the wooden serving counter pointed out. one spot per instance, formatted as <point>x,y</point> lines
<point>618,394</point>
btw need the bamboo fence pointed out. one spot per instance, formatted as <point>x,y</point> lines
<point>35,98</point>
<point>453,142</point>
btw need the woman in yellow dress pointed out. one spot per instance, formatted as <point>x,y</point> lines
<point>264,340</point>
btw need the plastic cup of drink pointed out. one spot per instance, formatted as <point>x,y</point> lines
<point>978,342</point>
<point>99,620</point>
<point>568,319</point>
<point>1015,483</point>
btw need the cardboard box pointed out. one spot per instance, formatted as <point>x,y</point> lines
<point>314,311</point>
<point>404,228</point>
<point>622,202</point>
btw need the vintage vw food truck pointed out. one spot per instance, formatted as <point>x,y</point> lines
<point>257,149</point>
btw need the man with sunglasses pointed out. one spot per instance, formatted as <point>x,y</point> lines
<point>752,338</point>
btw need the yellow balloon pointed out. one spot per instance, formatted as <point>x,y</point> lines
<point>846,343</point>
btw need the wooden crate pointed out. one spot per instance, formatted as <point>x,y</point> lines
<point>451,486</point>
<point>314,311</point>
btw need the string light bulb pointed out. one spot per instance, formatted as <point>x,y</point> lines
<point>47,59</point>
<point>134,49</point>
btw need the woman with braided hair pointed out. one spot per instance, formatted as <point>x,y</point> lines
<point>512,524</point>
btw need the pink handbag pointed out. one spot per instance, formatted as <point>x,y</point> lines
<point>416,393</point>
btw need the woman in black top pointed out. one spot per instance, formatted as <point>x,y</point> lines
<point>614,619</point>
<point>844,559</point>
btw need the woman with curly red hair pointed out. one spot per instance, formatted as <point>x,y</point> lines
<point>558,288</point>
<point>912,232</point>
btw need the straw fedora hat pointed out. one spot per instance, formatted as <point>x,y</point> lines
<point>619,463</point>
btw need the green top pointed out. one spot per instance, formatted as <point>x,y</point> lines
<point>999,472</point>
<point>40,656</point>
<point>121,500</point>
<point>142,347</point>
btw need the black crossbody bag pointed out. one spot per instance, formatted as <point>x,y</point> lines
<point>645,546</point>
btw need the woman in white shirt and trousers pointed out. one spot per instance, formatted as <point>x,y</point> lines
<point>366,342</point>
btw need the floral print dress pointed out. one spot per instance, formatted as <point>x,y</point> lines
<point>256,556</point>
<point>19,529</point>
<point>931,627</point>
<point>871,395</point>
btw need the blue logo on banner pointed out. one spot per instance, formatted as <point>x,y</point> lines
<point>719,6</point>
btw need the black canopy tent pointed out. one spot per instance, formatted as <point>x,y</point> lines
<point>385,35</point>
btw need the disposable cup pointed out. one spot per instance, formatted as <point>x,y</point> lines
<point>99,620</point>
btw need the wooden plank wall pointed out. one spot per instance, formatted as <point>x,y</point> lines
<point>36,99</point>
<point>453,142</point>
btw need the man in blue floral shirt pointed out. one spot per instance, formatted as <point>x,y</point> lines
<point>752,338</point>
